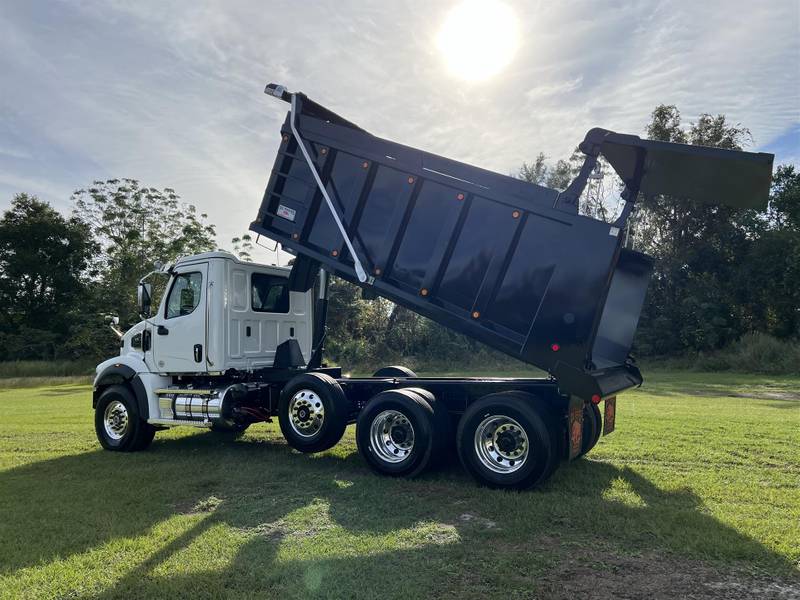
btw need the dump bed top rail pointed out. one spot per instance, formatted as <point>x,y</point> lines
<point>509,263</point>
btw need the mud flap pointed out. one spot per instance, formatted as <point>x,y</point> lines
<point>575,428</point>
<point>609,415</point>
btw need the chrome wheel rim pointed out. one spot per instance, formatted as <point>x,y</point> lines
<point>306,413</point>
<point>115,420</point>
<point>391,436</point>
<point>501,444</point>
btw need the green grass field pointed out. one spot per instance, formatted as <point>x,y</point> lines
<point>696,493</point>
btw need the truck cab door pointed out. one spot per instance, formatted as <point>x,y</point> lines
<point>179,330</point>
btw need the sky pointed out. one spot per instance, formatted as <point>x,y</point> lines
<point>170,93</point>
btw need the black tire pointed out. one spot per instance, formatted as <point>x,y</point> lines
<point>592,427</point>
<point>505,407</point>
<point>394,371</point>
<point>136,434</point>
<point>411,411</point>
<point>443,431</point>
<point>315,392</point>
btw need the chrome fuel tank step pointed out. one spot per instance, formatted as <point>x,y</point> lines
<point>194,404</point>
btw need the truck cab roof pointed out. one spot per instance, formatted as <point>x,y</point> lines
<point>222,254</point>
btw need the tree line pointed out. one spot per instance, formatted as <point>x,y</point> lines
<point>720,272</point>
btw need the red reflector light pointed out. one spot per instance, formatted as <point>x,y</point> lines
<point>555,347</point>
<point>596,399</point>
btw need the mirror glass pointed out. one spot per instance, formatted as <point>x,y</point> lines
<point>143,299</point>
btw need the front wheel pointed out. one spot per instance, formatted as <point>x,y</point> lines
<point>503,442</point>
<point>117,422</point>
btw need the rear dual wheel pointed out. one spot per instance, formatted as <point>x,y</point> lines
<point>394,371</point>
<point>402,432</point>
<point>592,427</point>
<point>505,440</point>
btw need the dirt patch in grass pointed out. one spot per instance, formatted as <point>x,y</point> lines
<point>477,521</point>
<point>205,505</point>
<point>595,571</point>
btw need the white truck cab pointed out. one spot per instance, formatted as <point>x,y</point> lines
<point>219,326</point>
<point>219,313</point>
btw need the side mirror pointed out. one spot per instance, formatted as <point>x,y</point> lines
<point>113,323</point>
<point>143,296</point>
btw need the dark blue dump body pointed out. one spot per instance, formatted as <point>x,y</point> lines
<point>503,261</point>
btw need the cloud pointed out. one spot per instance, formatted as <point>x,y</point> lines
<point>170,93</point>
<point>548,91</point>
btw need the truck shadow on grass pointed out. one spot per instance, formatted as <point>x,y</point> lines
<point>251,517</point>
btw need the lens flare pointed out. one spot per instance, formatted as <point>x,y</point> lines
<point>478,39</point>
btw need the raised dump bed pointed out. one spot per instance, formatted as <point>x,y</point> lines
<point>506,262</point>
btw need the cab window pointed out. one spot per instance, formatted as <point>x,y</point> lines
<point>184,296</point>
<point>269,293</point>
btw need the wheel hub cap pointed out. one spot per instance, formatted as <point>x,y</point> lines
<point>391,436</point>
<point>115,420</point>
<point>501,444</point>
<point>306,413</point>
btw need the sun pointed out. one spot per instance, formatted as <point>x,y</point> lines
<point>478,39</point>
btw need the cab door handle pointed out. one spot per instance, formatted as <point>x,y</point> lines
<point>161,330</point>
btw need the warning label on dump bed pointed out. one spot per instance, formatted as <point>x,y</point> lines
<point>286,212</point>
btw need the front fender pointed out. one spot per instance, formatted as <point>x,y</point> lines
<point>122,370</point>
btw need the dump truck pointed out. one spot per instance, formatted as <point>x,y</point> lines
<point>511,264</point>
